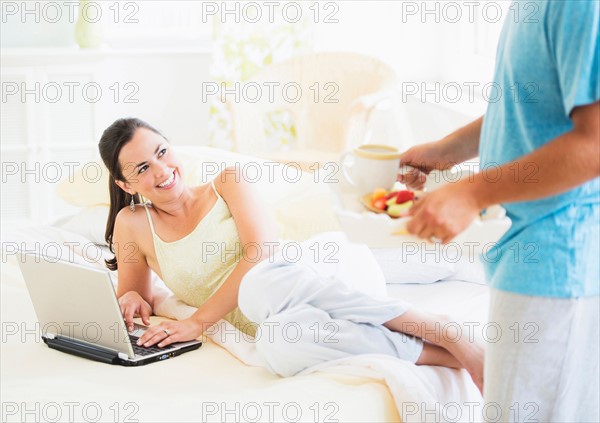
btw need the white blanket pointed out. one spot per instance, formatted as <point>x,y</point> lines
<point>421,393</point>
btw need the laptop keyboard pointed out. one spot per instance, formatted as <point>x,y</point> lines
<point>143,351</point>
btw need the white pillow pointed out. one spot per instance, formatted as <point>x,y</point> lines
<point>56,243</point>
<point>201,164</point>
<point>301,205</point>
<point>400,267</point>
<point>90,223</point>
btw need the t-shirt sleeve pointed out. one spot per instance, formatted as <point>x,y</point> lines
<point>574,36</point>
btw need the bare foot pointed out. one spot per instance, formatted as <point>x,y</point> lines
<point>470,355</point>
<point>434,355</point>
<point>437,329</point>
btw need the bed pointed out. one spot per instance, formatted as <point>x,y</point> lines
<point>216,383</point>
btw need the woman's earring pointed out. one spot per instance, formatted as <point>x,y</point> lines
<point>132,204</point>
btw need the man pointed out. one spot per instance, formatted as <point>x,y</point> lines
<point>539,147</point>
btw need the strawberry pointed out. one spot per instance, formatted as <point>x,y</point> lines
<point>404,196</point>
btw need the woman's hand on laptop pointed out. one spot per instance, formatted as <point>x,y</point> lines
<point>133,305</point>
<point>166,333</point>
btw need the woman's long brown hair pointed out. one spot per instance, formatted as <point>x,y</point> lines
<point>112,141</point>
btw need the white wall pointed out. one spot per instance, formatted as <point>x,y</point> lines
<point>375,28</point>
<point>170,93</point>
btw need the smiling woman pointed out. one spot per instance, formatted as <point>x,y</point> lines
<point>170,236</point>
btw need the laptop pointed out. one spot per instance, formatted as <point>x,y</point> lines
<point>78,313</point>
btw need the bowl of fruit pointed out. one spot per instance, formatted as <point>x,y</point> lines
<point>395,203</point>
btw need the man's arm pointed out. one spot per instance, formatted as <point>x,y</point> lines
<point>462,144</point>
<point>562,164</point>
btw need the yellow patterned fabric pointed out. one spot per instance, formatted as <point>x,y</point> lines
<point>195,266</point>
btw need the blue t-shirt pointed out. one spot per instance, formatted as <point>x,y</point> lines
<point>547,64</point>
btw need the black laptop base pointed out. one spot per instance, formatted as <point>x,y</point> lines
<point>74,347</point>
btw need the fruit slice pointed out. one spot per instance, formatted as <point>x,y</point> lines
<point>391,201</point>
<point>380,203</point>
<point>392,194</point>
<point>379,193</point>
<point>404,196</point>
<point>399,210</point>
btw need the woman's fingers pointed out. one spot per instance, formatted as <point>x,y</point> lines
<point>145,315</point>
<point>128,314</point>
<point>173,337</point>
<point>161,334</point>
<point>152,336</point>
<point>132,305</point>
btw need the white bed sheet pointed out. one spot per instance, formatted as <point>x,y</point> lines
<point>211,384</point>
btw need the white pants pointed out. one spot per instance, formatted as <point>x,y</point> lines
<point>307,317</point>
<point>543,364</point>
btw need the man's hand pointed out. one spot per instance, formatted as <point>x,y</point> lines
<point>133,305</point>
<point>443,213</point>
<point>461,145</point>
<point>423,158</point>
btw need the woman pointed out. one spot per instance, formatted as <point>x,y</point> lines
<point>168,236</point>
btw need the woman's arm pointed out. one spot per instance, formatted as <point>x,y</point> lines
<point>255,231</point>
<point>134,289</point>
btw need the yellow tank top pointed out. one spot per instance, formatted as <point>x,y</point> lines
<point>195,266</point>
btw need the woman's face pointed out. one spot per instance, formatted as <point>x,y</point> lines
<point>150,167</point>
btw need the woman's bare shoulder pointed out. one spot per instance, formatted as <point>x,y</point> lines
<point>131,224</point>
<point>230,181</point>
